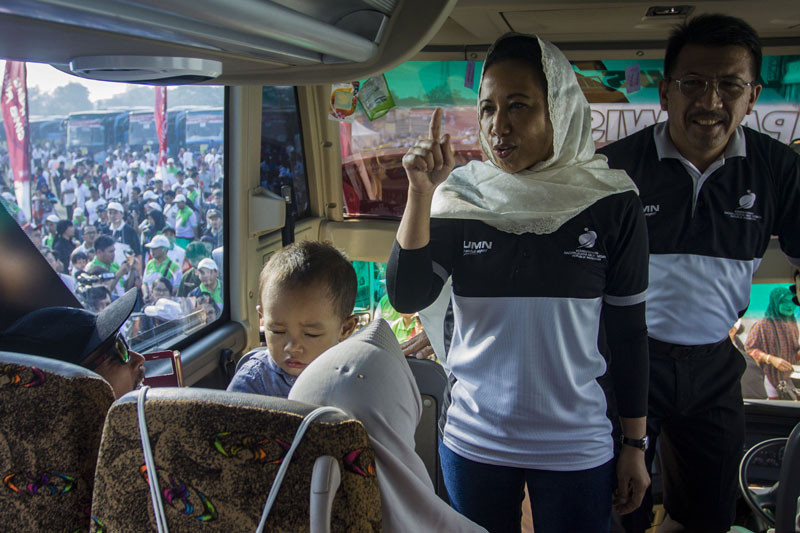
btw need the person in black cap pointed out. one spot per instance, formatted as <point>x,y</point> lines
<point>87,339</point>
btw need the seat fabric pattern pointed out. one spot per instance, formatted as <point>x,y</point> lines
<point>50,429</point>
<point>216,464</point>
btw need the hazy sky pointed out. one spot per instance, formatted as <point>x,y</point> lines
<point>47,78</point>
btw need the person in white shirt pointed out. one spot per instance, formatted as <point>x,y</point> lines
<point>170,173</point>
<point>114,191</point>
<point>185,221</point>
<point>82,193</point>
<point>187,160</point>
<point>170,210</point>
<point>92,203</point>
<point>69,190</point>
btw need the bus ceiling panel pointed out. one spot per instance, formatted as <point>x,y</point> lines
<point>258,41</point>
<point>481,21</point>
<point>592,50</point>
<point>412,26</point>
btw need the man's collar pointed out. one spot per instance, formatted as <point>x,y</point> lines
<point>666,148</point>
<point>205,289</point>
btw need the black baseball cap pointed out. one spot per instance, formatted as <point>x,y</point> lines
<point>67,333</point>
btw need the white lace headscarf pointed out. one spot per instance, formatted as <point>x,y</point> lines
<point>543,197</point>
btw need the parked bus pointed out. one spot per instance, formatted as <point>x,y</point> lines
<point>194,128</point>
<point>141,130</point>
<point>50,130</point>
<point>93,133</point>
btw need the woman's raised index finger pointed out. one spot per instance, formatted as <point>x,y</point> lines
<point>436,124</point>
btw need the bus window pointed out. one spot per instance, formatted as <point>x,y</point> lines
<point>108,217</point>
<point>373,179</point>
<point>767,336</point>
<point>283,163</point>
<point>618,110</point>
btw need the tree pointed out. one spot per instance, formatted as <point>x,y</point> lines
<point>134,96</point>
<point>61,101</point>
<point>196,95</point>
<point>68,98</point>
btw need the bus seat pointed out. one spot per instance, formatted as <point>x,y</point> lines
<point>216,454</point>
<point>432,384</point>
<point>246,357</point>
<point>51,420</point>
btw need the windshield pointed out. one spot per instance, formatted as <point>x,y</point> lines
<point>204,127</point>
<point>142,129</point>
<point>85,131</point>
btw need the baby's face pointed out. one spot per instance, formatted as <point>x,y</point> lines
<point>299,324</point>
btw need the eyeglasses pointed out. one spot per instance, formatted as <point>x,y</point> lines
<point>118,348</point>
<point>696,87</point>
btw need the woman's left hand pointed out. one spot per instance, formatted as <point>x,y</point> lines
<point>632,480</point>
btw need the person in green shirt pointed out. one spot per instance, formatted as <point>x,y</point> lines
<point>104,258</point>
<point>195,252</point>
<point>50,223</point>
<point>161,265</point>
<point>209,282</point>
<point>192,194</point>
<point>404,326</point>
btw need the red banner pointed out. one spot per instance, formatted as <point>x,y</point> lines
<point>15,121</point>
<point>161,130</point>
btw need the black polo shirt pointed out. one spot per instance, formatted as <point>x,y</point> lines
<point>708,231</point>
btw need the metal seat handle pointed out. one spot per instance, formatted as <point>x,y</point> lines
<point>276,485</point>
<point>150,463</point>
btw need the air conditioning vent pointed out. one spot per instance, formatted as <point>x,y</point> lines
<point>146,69</point>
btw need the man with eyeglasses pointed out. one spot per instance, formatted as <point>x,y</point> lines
<point>82,338</point>
<point>713,193</point>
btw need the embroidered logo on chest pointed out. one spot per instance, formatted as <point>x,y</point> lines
<point>584,250</point>
<point>744,211</point>
<point>477,247</point>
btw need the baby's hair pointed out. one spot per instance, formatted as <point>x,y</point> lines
<point>309,262</point>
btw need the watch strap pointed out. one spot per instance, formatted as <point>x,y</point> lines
<point>635,443</point>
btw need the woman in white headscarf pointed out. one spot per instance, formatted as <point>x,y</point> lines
<point>367,376</point>
<point>541,241</point>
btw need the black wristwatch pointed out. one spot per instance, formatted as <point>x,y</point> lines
<point>636,443</point>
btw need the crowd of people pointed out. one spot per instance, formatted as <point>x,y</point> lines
<point>121,222</point>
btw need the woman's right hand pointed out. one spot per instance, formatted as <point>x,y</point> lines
<point>430,161</point>
<point>780,363</point>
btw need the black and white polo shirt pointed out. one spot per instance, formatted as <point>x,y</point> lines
<point>708,231</point>
<point>527,319</point>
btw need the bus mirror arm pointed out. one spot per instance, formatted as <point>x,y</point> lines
<point>267,212</point>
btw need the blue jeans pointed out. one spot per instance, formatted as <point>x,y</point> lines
<point>561,502</point>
